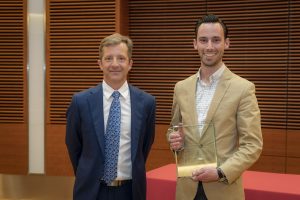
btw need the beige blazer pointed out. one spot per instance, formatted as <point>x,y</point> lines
<point>235,114</point>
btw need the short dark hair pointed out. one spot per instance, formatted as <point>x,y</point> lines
<point>211,18</point>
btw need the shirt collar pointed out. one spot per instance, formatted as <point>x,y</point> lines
<point>107,90</point>
<point>215,76</point>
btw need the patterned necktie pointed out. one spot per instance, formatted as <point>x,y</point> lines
<point>112,139</point>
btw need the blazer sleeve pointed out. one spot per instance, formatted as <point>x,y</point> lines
<point>249,133</point>
<point>150,128</point>
<point>73,134</point>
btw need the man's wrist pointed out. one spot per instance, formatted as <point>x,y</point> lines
<point>177,150</point>
<point>180,149</point>
<point>221,175</point>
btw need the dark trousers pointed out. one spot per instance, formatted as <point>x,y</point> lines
<point>200,192</point>
<point>123,192</point>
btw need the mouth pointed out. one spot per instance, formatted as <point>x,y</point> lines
<point>209,55</point>
<point>114,71</point>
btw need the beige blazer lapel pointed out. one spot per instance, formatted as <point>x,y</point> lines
<point>191,101</point>
<point>219,94</point>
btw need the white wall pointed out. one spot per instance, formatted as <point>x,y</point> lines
<point>36,80</point>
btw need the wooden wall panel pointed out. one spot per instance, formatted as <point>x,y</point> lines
<point>73,34</point>
<point>57,162</point>
<point>160,137</point>
<point>121,17</point>
<point>163,49</point>
<point>293,143</point>
<point>274,142</point>
<point>74,31</point>
<point>293,165</point>
<point>264,49</point>
<point>160,153</point>
<point>158,158</point>
<point>294,67</point>
<point>162,33</point>
<point>13,87</point>
<point>276,164</point>
<point>260,51</point>
<point>13,149</point>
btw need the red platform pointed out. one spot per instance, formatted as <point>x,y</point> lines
<point>161,185</point>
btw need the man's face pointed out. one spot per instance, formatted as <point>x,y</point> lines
<point>210,44</point>
<point>115,64</point>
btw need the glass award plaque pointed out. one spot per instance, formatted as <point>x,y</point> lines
<point>196,153</point>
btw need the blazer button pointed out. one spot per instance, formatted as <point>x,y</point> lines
<point>200,145</point>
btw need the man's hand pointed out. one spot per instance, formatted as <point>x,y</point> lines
<point>205,174</point>
<point>176,139</point>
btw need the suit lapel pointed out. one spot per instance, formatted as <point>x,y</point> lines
<point>191,101</point>
<point>96,107</point>
<point>219,94</point>
<point>136,116</point>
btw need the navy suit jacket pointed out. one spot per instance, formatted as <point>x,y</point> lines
<point>85,140</point>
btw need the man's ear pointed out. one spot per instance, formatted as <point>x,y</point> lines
<point>130,64</point>
<point>195,44</point>
<point>227,43</point>
<point>99,63</point>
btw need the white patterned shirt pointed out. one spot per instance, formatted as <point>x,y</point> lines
<point>205,93</point>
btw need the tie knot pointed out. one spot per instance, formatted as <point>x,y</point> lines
<point>116,94</point>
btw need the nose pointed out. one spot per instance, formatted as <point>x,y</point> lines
<point>209,44</point>
<point>114,62</point>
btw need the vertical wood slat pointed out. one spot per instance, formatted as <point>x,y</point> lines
<point>13,148</point>
<point>13,87</point>
<point>163,52</point>
<point>294,67</point>
<point>13,60</point>
<point>264,49</point>
<point>121,17</point>
<point>259,51</point>
<point>74,31</point>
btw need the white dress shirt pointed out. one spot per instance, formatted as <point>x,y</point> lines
<point>124,158</point>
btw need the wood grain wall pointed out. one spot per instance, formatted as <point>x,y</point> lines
<point>13,87</point>
<point>265,48</point>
